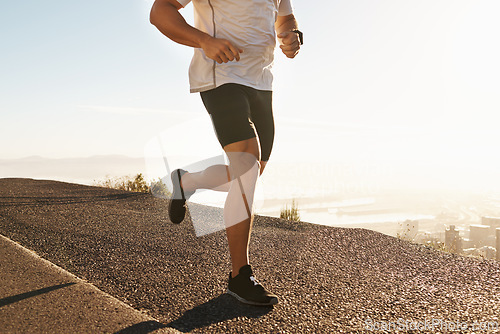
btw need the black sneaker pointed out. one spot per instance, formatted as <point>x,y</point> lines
<point>246,289</point>
<point>177,208</point>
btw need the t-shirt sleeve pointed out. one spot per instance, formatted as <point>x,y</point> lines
<point>285,8</point>
<point>184,2</point>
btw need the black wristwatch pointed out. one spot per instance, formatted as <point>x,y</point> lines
<point>301,35</point>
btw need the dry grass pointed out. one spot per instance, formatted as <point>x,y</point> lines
<point>135,183</point>
<point>291,213</point>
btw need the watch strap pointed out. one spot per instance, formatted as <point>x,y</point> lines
<point>301,35</point>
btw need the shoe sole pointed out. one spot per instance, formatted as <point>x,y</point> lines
<point>175,176</point>
<point>273,301</point>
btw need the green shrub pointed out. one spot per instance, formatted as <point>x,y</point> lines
<point>136,183</point>
<point>159,189</point>
<point>291,213</point>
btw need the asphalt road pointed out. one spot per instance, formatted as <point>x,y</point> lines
<point>328,279</point>
<point>36,296</point>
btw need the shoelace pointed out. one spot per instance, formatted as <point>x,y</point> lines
<point>255,282</point>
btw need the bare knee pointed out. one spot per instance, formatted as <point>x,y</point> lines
<point>250,146</point>
<point>242,163</point>
<point>262,166</point>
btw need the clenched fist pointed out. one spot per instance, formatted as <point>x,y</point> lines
<point>290,43</point>
<point>221,50</point>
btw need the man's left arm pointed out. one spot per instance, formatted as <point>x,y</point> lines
<point>289,40</point>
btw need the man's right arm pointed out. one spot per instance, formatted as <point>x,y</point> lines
<point>166,17</point>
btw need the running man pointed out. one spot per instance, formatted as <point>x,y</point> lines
<point>234,44</point>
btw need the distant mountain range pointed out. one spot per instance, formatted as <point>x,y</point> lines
<point>77,170</point>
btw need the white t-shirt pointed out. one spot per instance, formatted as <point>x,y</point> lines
<point>249,25</point>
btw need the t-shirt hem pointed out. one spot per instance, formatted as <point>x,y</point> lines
<point>202,89</point>
<point>212,86</point>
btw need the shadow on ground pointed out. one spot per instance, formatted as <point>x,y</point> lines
<point>142,328</point>
<point>19,297</point>
<point>219,309</point>
<point>54,200</point>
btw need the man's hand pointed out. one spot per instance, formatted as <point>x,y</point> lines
<point>166,17</point>
<point>220,50</point>
<point>289,43</point>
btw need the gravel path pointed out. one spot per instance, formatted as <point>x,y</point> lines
<point>328,279</point>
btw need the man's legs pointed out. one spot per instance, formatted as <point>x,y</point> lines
<point>244,165</point>
<point>243,121</point>
<point>216,177</point>
<point>243,172</point>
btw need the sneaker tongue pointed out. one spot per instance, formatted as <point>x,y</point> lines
<point>246,270</point>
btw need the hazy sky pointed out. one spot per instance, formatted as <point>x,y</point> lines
<point>412,82</point>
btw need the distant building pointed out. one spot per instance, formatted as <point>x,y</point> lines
<point>491,221</point>
<point>491,240</point>
<point>452,240</point>
<point>466,243</point>
<point>478,235</point>
<point>487,252</point>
